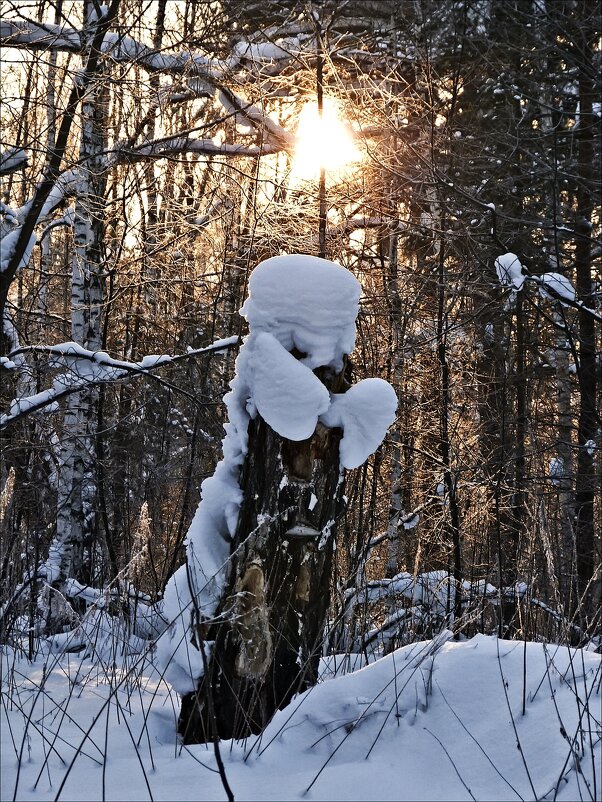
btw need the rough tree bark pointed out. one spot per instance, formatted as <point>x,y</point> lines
<point>268,639</point>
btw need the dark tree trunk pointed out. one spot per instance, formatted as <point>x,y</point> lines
<point>268,644</point>
<point>587,482</point>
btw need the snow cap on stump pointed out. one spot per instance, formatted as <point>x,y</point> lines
<point>306,303</point>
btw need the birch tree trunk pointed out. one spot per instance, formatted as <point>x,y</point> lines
<point>77,488</point>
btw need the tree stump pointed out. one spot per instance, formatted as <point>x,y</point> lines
<point>268,638</point>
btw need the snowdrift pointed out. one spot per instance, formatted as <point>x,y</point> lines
<point>480,719</point>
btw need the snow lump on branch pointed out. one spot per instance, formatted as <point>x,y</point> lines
<point>287,395</point>
<point>510,271</point>
<point>556,287</point>
<point>365,413</point>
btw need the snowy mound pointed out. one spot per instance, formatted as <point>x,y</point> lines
<point>435,720</point>
<point>306,303</point>
<point>441,720</point>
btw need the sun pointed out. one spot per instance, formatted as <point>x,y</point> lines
<point>322,141</point>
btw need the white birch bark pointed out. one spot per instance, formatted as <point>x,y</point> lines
<point>77,486</point>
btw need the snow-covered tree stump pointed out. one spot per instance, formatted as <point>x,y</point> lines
<point>276,600</point>
<point>247,612</point>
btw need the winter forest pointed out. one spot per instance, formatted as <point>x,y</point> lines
<point>301,398</point>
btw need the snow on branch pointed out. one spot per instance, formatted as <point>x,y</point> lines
<point>365,413</point>
<point>12,160</point>
<point>556,287</point>
<point>408,521</point>
<point>89,368</point>
<point>510,271</point>
<point>513,275</point>
<point>52,169</point>
<point>205,75</point>
<point>39,36</point>
<point>35,35</point>
<point>68,182</point>
<point>65,186</point>
<point>8,245</point>
<point>179,145</point>
<point>265,52</point>
<point>256,116</point>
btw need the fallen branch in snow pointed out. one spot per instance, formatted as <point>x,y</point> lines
<point>431,598</point>
<point>431,588</point>
<point>102,369</point>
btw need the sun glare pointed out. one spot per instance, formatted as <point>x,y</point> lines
<point>322,141</point>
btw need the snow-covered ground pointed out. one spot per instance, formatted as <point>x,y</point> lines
<point>438,720</point>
